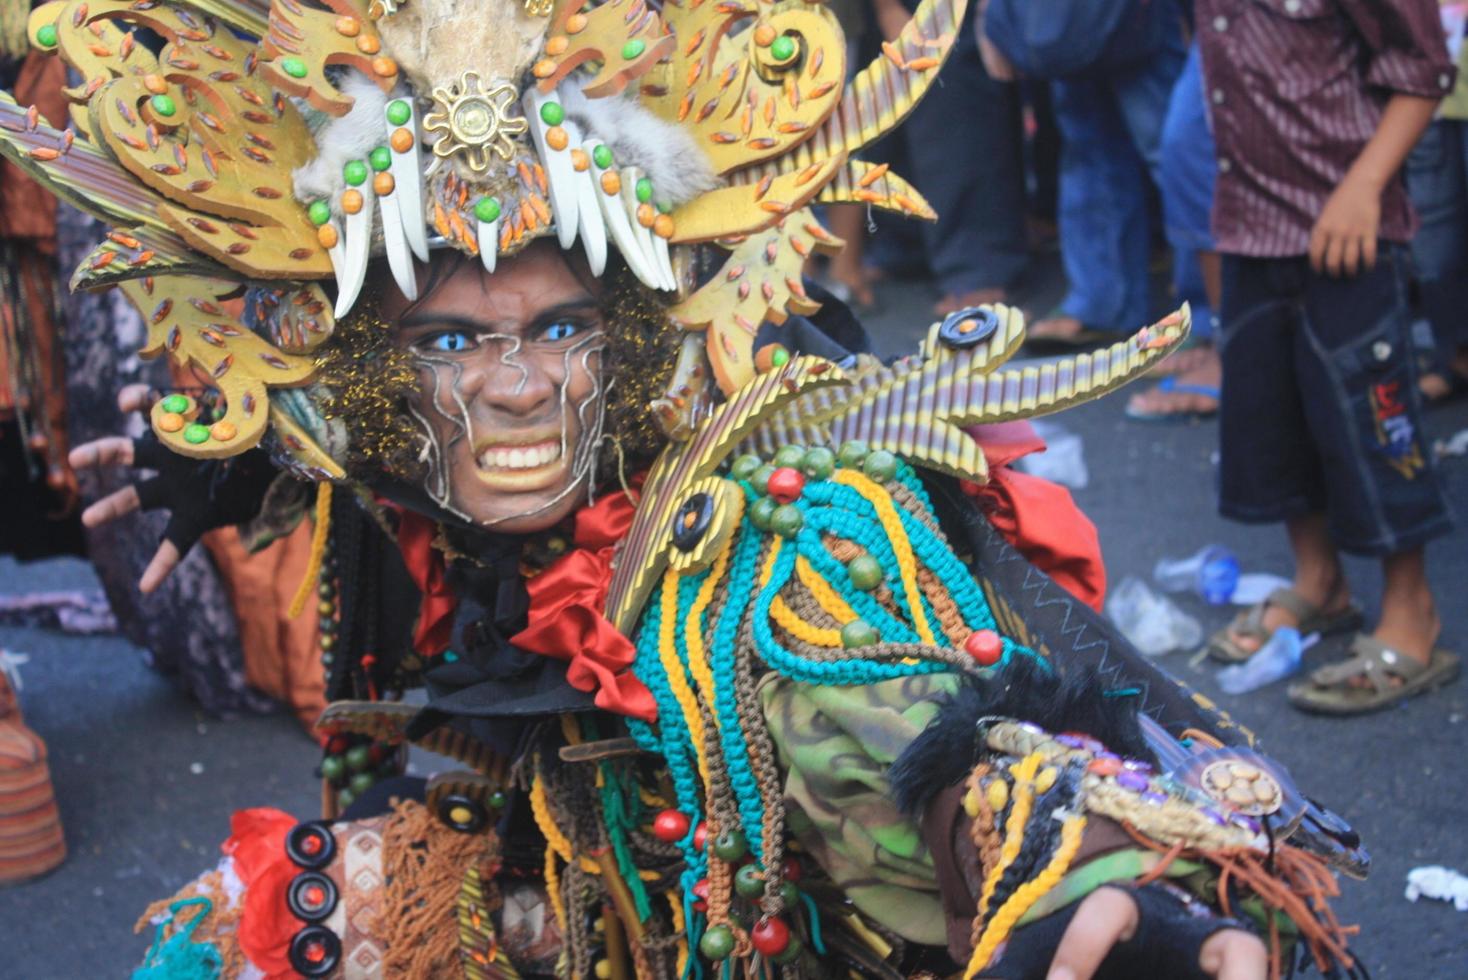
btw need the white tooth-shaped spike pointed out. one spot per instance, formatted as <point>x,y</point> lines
<point>407,173</point>
<point>545,114</point>
<point>632,202</point>
<point>337,253</point>
<point>357,241</point>
<point>664,259</point>
<point>489,243</point>
<point>615,215</point>
<point>588,215</point>
<point>395,242</point>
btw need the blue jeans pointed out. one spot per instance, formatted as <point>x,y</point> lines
<point>1111,137</point>
<point>1437,180</point>
<point>1189,169</point>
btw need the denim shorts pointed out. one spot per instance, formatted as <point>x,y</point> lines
<point>1320,411</point>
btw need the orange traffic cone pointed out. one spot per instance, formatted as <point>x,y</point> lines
<point>31,842</point>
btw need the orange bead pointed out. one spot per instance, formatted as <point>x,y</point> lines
<point>764,35</point>
<point>368,44</point>
<point>156,84</point>
<point>556,138</point>
<point>327,236</point>
<point>575,24</point>
<point>170,422</point>
<point>348,26</point>
<point>383,184</point>
<point>401,139</point>
<point>662,226</point>
<point>646,215</point>
<point>351,201</point>
<point>611,182</point>
<point>223,431</point>
<point>557,45</point>
<point>580,160</point>
<point>385,67</point>
<point>543,69</point>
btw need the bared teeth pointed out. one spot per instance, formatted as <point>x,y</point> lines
<point>519,457</point>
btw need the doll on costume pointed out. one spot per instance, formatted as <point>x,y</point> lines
<point>749,650</point>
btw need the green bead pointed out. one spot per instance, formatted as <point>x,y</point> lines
<point>783,48</point>
<point>762,511</point>
<point>759,480</point>
<point>359,757</point>
<point>380,158</point>
<point>865,571</point>
<point>319,212</point>
<point>325,608</point>
<point>326,590</point>
<point>196,433</point>
<point>787,520</point>
<point>328,642</point>
<point>859,633</point>
<point>294,67</point>
<point>790,952</point>
<point>327,625</point>
<point>345,798</point>
<point>327,659</point>
<point>333,767</point>
<point>552,114</point>
<point>177,404</point>
<point>164,105</point>
<point>789,894</point>
<point>880,465</point>
<point>743,467</point>
<point>665,207</point>
<point>399,112</point>
<point>818,463</point>
<point>497,800</point>
<point>717,943</point>
<point>633,48</point>
<point>730,846</point>
<point>487,209</point>
<point>789,456</point>
<point>602,156</point>
<point>749,881</point>
<point>355,173</point>
<point>780,358</point>
<point>46,35</point>
<point>644,190</point>
<point>852,452</point>
<point>361,783</point>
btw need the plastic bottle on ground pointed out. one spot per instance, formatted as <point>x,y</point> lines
<point>1212,573</point>
<point>1152,622</point>
<point>1276,660</point>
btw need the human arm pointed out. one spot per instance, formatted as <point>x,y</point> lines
<point>1343,241</point>
<point>891,17</point>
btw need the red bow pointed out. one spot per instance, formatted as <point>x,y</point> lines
<point>257,844</point>
<point>425,564</point>
<point>566,621</point>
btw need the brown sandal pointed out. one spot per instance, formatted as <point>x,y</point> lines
<point>1391,677</point>
<point>1250,623</point>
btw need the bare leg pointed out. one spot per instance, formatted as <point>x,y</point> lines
<point>848,221</point>
<point>1211,266</point>
<point>1319,578</point>
<point>1409,620</point>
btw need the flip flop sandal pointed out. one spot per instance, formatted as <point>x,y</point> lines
<point>1391,677</point>
<point>1086,338</point>
<point>1171,386</point>
<point>1186,358</point>
<point>1250,623</point>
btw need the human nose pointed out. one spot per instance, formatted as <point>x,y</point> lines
<point>516,384</point>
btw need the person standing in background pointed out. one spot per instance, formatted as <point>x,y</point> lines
<point>1315,105</point>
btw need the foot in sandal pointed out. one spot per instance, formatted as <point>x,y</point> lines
<point>1326,611</point>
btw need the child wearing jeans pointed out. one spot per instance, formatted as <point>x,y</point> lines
<point>1315,104</point>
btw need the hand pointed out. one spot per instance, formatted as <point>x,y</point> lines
<point>1109,916</point>
<point>200,494</point>
<point>1343,241</point>
<point>892,17</point>
<point>1000,68</point>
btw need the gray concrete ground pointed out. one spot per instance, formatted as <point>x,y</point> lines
<point>146,783</point>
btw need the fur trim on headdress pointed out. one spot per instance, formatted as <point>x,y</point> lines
<point>340,139</point>
<point>665,152</point>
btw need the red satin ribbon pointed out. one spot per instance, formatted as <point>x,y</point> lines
<point>1039,518</point>
<point>565,619</point>
<point>257,844</point>
<point>425,564</point>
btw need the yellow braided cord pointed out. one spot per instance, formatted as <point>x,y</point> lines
<point>776,543</point>
<point>825,596</point>
<point>698,661</point>
<point>1021,799</point>
<point>999,928</point>
<point>318,550</point>
<point>677,676</point>
<point>800,629</point>
<point>540,808</point>
<point>553,889</point>
<point>901,547</point>
<point>676,904</point>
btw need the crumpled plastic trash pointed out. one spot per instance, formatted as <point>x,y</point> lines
<point>1454,445</point>
<point>1436,881</point>
<point>1064,458</point>
<point>1212,572</point>
<point>1152,622</point>
<point>1255,587</point>
<point>1277,659</point>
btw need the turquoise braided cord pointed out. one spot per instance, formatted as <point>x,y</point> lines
<point>614,807</point>
<point>892,629</point>
<point>908,477</point>
<point>872,537</point>
<point>722,653</point>
<point>849,672</point>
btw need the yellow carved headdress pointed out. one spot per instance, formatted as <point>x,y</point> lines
<point>285,143</point>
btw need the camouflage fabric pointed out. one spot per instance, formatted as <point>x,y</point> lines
<point>835,745</point>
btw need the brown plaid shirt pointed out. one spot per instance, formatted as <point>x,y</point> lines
<point>1295,89</point>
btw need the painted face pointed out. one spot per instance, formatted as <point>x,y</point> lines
<point>511,397</point>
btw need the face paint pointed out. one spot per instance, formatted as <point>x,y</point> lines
<point>512,399</point>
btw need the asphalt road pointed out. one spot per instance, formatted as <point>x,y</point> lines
<point>146,783</point>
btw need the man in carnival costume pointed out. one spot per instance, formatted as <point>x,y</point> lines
<point>751,652</point>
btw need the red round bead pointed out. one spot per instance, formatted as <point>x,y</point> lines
<point>1104,765</point>
<point>984,646</point>
<point>770,936</point>
<point>791,869</point>
<point>700,836</point>
<point>701,895</point>
<point>670,826</point>
<point>337,745</point>
<point>785,484</point>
